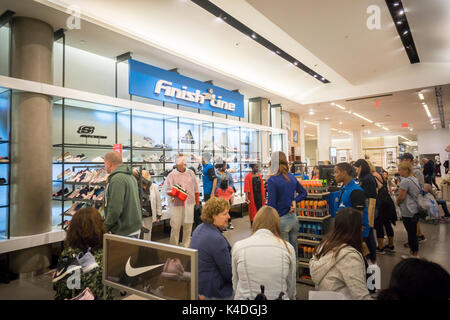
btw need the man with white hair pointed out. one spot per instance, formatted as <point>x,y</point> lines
<point>122,205</point>
<point>182,181</point>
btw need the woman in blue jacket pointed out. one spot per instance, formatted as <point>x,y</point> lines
<point>214,252</point>
<point>282,187</point>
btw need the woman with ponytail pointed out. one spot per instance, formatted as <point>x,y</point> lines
<point>282,189</point>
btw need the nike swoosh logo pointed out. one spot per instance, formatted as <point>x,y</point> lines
<point>133,272</point>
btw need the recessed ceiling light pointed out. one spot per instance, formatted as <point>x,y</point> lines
<point>360,116</point>
<point>401,12</point>
<point>323,79</point>
<point>399,22</point>
<point>339,106</point>
<point>405,32</point>
<point>332,103</point>
<point>340,122</point>
<point>396,4</point>
<point>326,118</point>
<point>254,36</point>
<point>311,113</point>
<point>315,76</point>
<point>421,96</point>
<point>296,63</point>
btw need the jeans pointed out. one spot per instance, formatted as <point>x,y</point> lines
<point>443,204</point>
<point>371,245</point>
<point>289,230</point>
<point>411,228</point>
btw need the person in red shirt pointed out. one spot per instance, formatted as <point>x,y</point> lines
<point>225,191</point>
<point>254,192</point>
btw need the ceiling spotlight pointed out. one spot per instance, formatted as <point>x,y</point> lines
<point>315,76</point>
<point>405,32</point>
<point>332,103</point>
<point>396,4</point>
<point>311,113</point>
<point>399,22</point>
<point>278,52</point>
<point>296,63</point>
<point>340,122</point>
<point>411,129</point>
<point>323,79</point>
<point>401,12</point>
<point>254,36</point>
<point>421,96</point>
<point>326,118</point>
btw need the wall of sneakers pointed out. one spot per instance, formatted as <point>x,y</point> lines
<point>83,132</point>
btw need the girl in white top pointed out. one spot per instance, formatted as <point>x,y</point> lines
<point>264,259</point>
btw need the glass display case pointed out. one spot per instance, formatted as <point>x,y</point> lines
<point>84,132</point>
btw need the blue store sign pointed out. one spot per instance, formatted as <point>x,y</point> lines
<point>151,82</point>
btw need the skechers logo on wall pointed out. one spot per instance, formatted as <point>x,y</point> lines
<point>196,96</point>
<point>86,130</point>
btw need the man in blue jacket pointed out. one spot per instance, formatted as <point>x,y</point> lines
<point>209,177</point>
<point>351,194</point>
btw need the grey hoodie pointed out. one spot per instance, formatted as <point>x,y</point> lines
<point>345,274</point>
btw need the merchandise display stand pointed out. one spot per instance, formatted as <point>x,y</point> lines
<point>315,223</point>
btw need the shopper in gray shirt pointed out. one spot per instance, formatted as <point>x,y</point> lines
<point>407,200</point>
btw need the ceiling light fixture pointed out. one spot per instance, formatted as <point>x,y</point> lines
<point>378,125</point>
<point>405,32</point>
<point>296,63</point>
<point>313,123</point>
<point>427,110</point>
<point>360,116</point>
<point>311,113</point>
<point>340,122</point>
<point>421,96</point>
<point>339,106</point>
<point>254,36</point>
<point>385,129</point>
<point>401,12</point>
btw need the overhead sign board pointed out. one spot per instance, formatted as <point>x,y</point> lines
<point>154,83</point>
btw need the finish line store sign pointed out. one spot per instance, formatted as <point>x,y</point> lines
<point>151,82</point>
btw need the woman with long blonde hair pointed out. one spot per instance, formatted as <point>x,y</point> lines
<point>282,187</point>
<point>264,259</point>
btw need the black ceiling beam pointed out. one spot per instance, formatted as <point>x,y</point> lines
<point>174,70</point>
<point>398,14</point>
<point>209,81</point>
<point>6,17</point>
<point>216,11</point>
<point>373,97</point>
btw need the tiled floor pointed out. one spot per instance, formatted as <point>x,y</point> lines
<point>436,248</point>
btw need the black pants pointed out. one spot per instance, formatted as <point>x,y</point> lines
<point>383,221</point>
<point>431,180</point>
<point>371,245</point>
<point>411,228</point>
<point>206,197</point>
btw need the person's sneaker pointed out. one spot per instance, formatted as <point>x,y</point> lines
<point>421,238</point>
<point>65,266</point>
<point>380,251</point>
<point>389,249</point>
<point>230,226</point>
<point>87,261</point>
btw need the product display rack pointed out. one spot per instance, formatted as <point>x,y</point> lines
<point>313,219</point>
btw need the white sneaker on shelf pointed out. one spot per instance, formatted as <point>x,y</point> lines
<point>98,159</point>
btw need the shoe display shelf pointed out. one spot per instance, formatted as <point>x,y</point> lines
<point>314,224</point>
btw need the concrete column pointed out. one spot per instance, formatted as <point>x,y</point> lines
<point>357,145</point>
<point>324,140</point>
<point>31,145</point>
<point>302,139</point>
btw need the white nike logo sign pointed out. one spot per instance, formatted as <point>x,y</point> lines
<point>133,272</point>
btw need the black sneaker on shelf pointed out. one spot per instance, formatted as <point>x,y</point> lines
<point>66,266</point>
<point>389,249</point>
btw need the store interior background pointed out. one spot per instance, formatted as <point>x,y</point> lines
<point>294,101</point>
